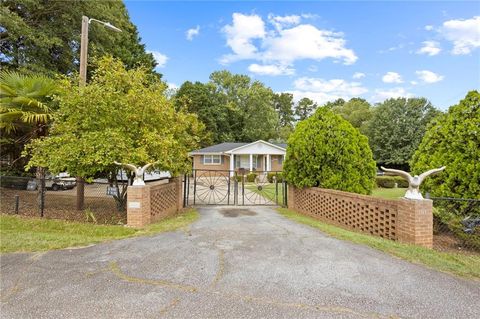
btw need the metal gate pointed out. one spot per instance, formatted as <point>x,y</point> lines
<point>224,187</point>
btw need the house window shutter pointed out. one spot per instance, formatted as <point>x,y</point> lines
<point>202,159</point>
<point>222,159</point>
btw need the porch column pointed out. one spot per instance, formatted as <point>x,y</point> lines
<point>232,164</point>
<point>269,163</point>
<point>251,162</point>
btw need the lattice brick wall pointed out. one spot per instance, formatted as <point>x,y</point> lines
<point>367,214</point>
<point>163,201</point>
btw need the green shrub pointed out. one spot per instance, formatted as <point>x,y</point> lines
<point>251,177</point>
<point>327,151</point>
<point>271,175</point>
<point>389,181</point>
<point>452,140</point>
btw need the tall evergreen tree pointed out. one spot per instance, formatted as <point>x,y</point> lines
<point>44,36</point>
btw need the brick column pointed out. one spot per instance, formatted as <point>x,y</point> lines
<point>138,206</point>
<point>291,196</point>
<point>415,222</point>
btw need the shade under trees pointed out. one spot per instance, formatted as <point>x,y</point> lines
<point>327,151</point>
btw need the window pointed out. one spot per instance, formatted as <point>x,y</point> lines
<point>212,159</point>
<point>280,159</point>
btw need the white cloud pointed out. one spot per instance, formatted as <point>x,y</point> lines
<point>383,94</point>
<point>240,34</point>
<point>428,76</point>
<point>430,47</point>
<point>358,75</point>
<point>160,58</point>
<point>429,27</point>
<point>281,22</point>
<point>313,68</point>
<point>392,77</point>
<point>464,34</point>
<point>285,45</point>
<point>322,91</point>
<point>413,82</point>
<point>193,32</point>
<point>270,69</point>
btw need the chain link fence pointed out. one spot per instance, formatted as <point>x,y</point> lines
<point>104,202</point>
<point>456,224</point>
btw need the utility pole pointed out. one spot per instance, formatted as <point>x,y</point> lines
<point>83,81</point>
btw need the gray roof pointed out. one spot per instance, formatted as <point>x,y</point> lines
<point>227,146</point>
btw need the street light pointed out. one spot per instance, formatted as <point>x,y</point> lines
<point>83,80</point>
<point>84,45</point>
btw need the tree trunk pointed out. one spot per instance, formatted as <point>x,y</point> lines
<point>40,176</point>
<point>80,193</point>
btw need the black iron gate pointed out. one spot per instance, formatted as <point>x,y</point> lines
<point>224,187</point>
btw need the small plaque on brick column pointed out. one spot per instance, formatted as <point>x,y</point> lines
<point>133,204</point>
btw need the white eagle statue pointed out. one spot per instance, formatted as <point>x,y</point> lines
<point>138,171</point>
<point>414,182</point>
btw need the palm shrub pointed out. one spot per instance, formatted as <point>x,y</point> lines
<point>25,112</point>
<point>327,151</point>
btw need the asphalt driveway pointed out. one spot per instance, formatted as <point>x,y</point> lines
<point>231,263</point>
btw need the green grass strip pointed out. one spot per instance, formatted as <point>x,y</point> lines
<point>22,234</point>
<point>463,265</point>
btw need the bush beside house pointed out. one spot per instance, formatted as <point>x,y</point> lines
<point>327,151</point>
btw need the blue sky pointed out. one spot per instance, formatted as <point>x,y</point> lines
<point>322,50</point>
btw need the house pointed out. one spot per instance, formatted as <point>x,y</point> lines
<point>256,156</point>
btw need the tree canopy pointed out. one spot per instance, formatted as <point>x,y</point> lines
<point>122,115</point>
<point>397,127</point>
<point>304,108</point>
<point>327,151</point>
<point>44,36</point>
<point>453,140</point>
<point>357,111</point>
<point>232,106</point>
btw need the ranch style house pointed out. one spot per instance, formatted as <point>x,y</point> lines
<point>259,156</point>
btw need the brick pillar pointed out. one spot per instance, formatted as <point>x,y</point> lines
<point>179,192</point>
<point>291,196</point>
<point>138,206</point>
<point>415,222</point>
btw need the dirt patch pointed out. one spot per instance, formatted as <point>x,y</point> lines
<point>235,212</point>
<point>62,205</point>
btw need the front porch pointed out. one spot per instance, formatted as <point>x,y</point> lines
<point>256,162</point>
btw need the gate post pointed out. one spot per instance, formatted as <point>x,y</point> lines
<point>138,206</point>
<point>290,196</point>
<point>415,222</point>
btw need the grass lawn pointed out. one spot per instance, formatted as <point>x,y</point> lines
<point>453,263</point>
<point>22,234</point>
<point>268,191</point>
<point>389,193</point>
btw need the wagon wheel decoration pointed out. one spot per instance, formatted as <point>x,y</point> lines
<point>212,187</point>
<point>259,193</point>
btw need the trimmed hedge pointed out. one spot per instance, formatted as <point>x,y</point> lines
<point>270,177</point>
<point>389,181</point>
<point>251,177</point>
